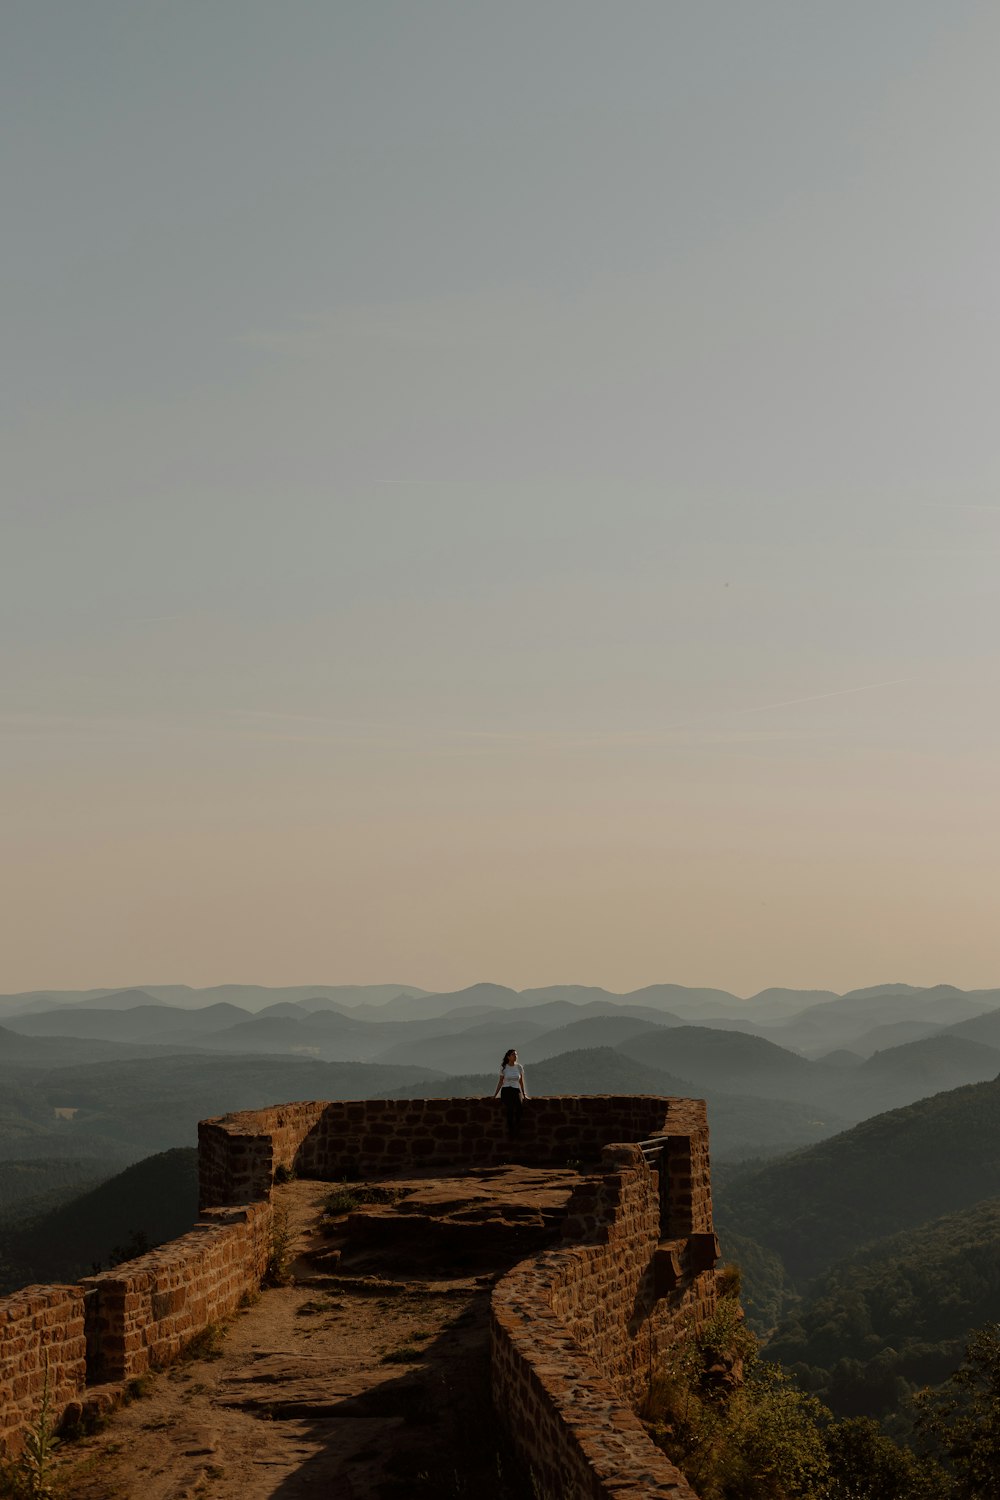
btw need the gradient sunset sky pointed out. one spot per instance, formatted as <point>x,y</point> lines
<point>500,491</point>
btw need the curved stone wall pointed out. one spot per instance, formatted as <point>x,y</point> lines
<point>577,1332</point>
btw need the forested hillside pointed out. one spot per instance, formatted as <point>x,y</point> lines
<point>892,1172</point>
<point>150,1202</point>
<point>897,1315</point>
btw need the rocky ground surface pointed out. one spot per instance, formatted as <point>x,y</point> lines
<point>366,1375</point>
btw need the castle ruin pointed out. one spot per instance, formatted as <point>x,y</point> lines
<point>577,1328</point>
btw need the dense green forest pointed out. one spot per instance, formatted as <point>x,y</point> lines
<point>741,1428</point>
<point>895,1316</point>
<point>35,1184</point>
<point>870,1259</point>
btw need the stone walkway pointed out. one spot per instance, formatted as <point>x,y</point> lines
<point>368,1375</point>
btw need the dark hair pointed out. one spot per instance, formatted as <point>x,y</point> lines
<point>506,1055</point>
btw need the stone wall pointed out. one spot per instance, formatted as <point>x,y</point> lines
<point>240,1153</point>
<point>142,1314</point>
<point>39,1326</point>
<point>578,1331</point>
<point>116,1325</point>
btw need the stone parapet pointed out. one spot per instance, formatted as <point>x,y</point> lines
<point>118,1324</point>
<point>577,1332</point>
<point>142,1314</point>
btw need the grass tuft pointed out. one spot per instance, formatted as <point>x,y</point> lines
<point>343,1199</point>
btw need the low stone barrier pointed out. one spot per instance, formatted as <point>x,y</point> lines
<point>577,1332</point>
<point>142,1314</point>
<point>120,1323</point>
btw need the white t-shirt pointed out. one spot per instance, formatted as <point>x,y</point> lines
<point>512,1073</point>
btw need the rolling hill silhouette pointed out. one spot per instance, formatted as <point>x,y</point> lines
<point>737,1061</point>
<point>935,1063</point>
<point>155,1022</point>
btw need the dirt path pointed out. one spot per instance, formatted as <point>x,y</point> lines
<point>367,1376</point>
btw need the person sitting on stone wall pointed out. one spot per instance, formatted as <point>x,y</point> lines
<point>510,1087</point>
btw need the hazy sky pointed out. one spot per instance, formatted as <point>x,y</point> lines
<point>500,491</point>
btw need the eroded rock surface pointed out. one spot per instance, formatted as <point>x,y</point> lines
<point>368,1375</point>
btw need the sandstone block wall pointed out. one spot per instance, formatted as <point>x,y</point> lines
<point>578,1331</point>
<point>116,1325</point>
<point>39,1325</point>
<point>240,1153</point>
<point>143,1313</point>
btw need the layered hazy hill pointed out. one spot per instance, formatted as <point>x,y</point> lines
<point>112,1063</point>
<point>861,1021</point>
<point>136,1107</point>
<point>251,997</point>
<point>808,1022</point>
<point>705,1058</point>
<point>18,1050</point>
<point>741,1126</point>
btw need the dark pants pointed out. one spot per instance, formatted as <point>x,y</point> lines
<point>512,1110</point>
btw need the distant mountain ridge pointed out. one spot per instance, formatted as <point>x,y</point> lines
<point>772,1002</point>
<point>737,1055</point>
<point>188,998</point>
<point>813,1022</point>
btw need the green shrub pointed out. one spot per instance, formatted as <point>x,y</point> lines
<point>207,1344</point>
<point>343,1199</point>
<point>278,1271</point>
<point>741,1429</point>
<point>30,1477</point>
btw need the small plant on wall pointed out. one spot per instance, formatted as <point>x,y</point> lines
<point>279,1271</point>
<point>30,1476</point>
